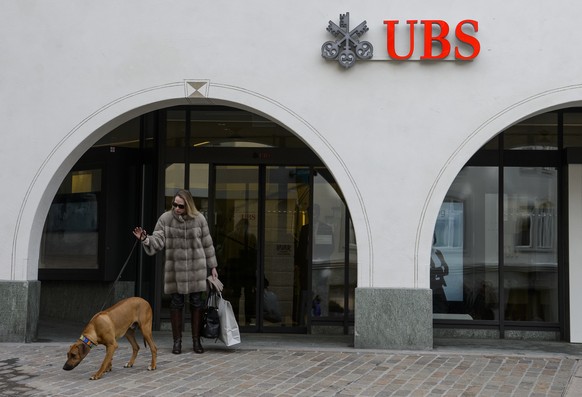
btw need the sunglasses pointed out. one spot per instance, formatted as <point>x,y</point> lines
<point>181,206</point>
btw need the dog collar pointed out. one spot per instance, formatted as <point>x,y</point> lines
<point>87,341</point>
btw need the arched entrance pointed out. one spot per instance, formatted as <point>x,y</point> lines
<point>501,258</point>
<point>281,229</point>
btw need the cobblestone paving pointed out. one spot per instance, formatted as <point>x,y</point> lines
<point>36,370</point>
<point>13,379</point>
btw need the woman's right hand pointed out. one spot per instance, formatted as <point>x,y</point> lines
<point>139,233</point>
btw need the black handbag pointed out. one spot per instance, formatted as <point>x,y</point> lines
<point>210,320</point>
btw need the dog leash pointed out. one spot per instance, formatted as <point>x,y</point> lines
<point>119,275</point>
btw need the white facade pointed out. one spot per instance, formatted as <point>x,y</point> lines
<point>394,134</point>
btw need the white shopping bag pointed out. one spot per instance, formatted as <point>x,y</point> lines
<point>229,332</point>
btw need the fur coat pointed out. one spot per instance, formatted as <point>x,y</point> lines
<point>188,249</point>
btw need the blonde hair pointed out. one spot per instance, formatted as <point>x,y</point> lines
<point>191,209</point>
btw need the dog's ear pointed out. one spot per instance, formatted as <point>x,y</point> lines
<point>83,350</point>
<point>72,352</point>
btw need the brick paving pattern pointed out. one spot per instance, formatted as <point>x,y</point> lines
<point>36,370</point>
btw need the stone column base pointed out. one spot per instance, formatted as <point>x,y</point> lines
<point>19,309</point>
<point>393,318</point>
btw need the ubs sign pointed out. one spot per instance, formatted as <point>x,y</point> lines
<point>347,47</point>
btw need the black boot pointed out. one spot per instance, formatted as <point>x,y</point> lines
<point>196,314</point>
<point>176,320</point>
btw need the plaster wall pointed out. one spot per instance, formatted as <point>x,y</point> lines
<point>394,134</point>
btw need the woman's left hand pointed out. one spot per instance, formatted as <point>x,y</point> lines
<point>214,273</point>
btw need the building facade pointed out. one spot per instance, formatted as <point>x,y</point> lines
<point>398,171</point>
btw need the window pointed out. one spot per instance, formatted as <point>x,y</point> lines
<point>71,232</point>
<point>497,231</point>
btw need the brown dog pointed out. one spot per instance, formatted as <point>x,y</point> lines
<point>109,325</point>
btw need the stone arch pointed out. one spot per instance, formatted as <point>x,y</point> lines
<point>542,102</point>
<point>66,152</point>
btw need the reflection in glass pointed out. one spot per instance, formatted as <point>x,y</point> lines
<point>572,129</point>
<point>471,288</point>
<point>530,244</point>
<point>198,186</point>
<point>126,135</point>
<point>352,255</point>
<point>286,200</point>
<point>175,174</point>
<point>236,230</point>
<point>175,128</point>
<point>530,253</point>
<point>328,250</point>
<point>226,127</point>
<point>536,133</point>
<point>71,232</point>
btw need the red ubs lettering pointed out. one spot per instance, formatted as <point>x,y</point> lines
<point>432,36</point>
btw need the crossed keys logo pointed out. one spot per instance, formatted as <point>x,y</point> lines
<point>348,46</point>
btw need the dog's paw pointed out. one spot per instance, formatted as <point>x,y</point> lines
<point>150,368</point>
<point>95,377</point>
<point>128,365</point>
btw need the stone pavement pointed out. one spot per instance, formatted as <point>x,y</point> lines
<point>297,365</point>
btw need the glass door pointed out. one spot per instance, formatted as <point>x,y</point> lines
<point>530,252</point>
<point>236,229</point>
<point>260,216</point>
<point>286,296</point>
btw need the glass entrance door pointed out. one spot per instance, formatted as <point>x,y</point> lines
<point>286,296</point>
<point>284,243</point>
<point>530,252</point>
<point>260,213</point>
<point>236,229</point>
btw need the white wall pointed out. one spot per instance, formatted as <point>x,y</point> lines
<point>394,134</point>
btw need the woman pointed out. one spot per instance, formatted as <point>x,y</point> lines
<point>183,232</point>
<point>438,270</point>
